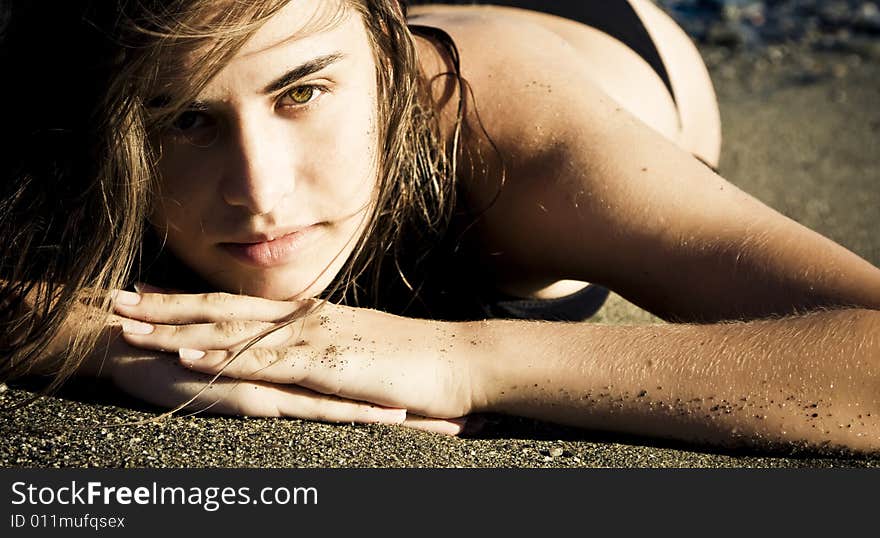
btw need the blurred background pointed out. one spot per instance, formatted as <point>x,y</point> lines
<point>838,25</point>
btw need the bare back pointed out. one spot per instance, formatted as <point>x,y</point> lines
<point>693,122</point>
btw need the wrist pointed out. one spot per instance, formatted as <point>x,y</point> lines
<point>534,368</point>
<point>489,367</point>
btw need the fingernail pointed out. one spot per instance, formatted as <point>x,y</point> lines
<point>190,354</point>
<point>143,287</point>
<point>131,326</point>
<point>125,298</point>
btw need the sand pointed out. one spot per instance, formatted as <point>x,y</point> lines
<point>801,134</point>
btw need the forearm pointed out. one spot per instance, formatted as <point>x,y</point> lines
<point>813,379</point>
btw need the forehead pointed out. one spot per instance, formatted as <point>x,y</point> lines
<point>302,23</point>
<point>302,29</point>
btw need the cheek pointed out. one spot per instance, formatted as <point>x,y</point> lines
<point>187,180</point>
<point>349,152</point>
<point>187,173</point>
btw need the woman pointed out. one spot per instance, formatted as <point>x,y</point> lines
<point>491,162</point>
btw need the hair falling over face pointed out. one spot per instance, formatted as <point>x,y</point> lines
<point>80,173</point>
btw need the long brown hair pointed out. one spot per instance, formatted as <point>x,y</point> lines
<point>77,183</point>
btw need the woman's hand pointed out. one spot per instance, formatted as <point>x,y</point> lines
<point>336,355</point>
<point>156,378</point>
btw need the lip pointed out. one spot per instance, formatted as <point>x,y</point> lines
<point>271,249</point>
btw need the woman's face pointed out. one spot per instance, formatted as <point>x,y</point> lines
<point>267,181</point>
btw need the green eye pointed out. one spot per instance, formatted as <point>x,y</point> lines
<point>302,94</point>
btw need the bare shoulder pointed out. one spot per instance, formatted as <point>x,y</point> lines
<point>508,61</point>
<point>592,193</point>
<point>531,147</point>
<point>526,88</point>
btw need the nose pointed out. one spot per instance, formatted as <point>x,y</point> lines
<point>260,171</point>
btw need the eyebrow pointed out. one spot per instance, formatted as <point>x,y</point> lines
<point>301,71</point>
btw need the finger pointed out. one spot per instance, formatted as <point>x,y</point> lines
<point>330,371</point>
<point>143,287</point>
<point>270,364</point>
<point>452,426</point>
<point>327,371</point>
<point>159,381</point>
<point>223,335</point>
<point>265,399</point>
<point>174,308</point>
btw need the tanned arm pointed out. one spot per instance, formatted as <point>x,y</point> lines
<point>812,380</point>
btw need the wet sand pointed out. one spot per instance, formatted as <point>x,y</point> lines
<point>801,134</point>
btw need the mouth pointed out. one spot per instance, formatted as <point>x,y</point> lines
<point>272,249</point>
